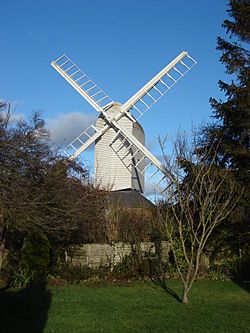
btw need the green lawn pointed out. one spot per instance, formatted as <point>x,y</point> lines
<point>143,307</point>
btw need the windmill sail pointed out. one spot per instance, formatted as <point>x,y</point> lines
<point>81,82</point>
<point>86,138</point>
<point>141,159</point>
<point>149,94</point>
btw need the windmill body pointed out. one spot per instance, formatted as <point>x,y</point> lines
<point>110,171</point>
<point>121,159</point>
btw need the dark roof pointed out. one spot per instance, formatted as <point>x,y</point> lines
<point>129,198</point>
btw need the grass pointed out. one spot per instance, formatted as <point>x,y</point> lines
<point>142,307</point>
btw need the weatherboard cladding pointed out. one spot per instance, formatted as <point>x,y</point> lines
<point>111,173</point>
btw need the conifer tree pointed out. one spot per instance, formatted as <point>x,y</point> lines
<point>230,128</point>
<point>232,117</point>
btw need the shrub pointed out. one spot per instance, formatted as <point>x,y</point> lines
<point>125,266</point>
<point>72,274</point>
<point>126,269</point>
<point>34,260</point>
<point>10,266</point>
<point>35,253</point>
<point>23,278</point>
<point>241,269</point>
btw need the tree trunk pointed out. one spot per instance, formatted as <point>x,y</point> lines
<point>185,295</point>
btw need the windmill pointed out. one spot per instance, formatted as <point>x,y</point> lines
<point>121,158</point>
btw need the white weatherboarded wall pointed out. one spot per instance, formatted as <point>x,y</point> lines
<point>110,172</point>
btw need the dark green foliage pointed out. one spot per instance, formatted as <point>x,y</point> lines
<point>241,271</point>
<point>239,10</point>
<point>35,253</point>
<point>240,268</point>
<point>72,274</point>
<point>230,129</point>
<point>126,269</point>
<point>34,261</point>
<point>232,126</point>
<point>25,278</point>
<point>9,267</point>
<point>236,268</point>
<point>66,273</point>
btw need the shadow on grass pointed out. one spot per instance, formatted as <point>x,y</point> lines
<point>24,310</point>
<point>160,282</point>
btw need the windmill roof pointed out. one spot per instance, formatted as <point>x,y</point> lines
<point>129,198</point>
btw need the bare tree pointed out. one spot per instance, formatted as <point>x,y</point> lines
<point>199,196</point>
<point>38,190</point>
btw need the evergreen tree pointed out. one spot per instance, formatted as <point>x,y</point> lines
<point>230,128</point>
<point>232,117</point>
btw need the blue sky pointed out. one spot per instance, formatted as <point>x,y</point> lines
<point>120,45</point>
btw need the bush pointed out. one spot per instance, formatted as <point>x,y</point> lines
<point>72,274</point>
<point>10,266</point>
<point>23,278</point>
<point>125,266</point>
<point>34,260</point>
<point>241,270</point>
<point>35,253</point>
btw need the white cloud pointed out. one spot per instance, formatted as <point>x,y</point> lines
<point>14,116</point>
<point>65,127</point>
